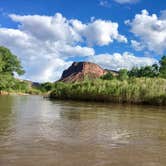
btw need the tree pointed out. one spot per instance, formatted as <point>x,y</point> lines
<point>145,71</point>
<point>149,71</point>
<point>107,76</point>
<point>46,86</point>
<point>6,82</point>
<point>134,72</point>
<point>123,74</point>
<point>156,69</point>
<point>9,63</point>
<point>163,67</point>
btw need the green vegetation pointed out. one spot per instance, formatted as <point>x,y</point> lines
<point>46,87</point>
<point>145,85</point>
<point>123,75</point>
<point>146,71</point>
<point>108,76</point>
<point>10,65</point>
<point>9,83</point>
<point>133,90</point>
<point>162,69</point>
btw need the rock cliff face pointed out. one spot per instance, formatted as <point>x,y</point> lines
<point>78,71</point>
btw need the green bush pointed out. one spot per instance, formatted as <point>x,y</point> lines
<point>107,76</point>
<point>123,74</point>
<point>133,90</point>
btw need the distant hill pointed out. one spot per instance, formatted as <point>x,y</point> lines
<point>31,84</point>
<point>78,71</point>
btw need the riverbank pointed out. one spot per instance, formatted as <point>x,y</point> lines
<point>30,92</point>
<point>4,93</point>
<point>150,91</point>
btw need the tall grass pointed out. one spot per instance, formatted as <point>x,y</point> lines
<point>133,90</point>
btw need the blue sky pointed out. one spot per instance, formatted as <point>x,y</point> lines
<point>48,35</point>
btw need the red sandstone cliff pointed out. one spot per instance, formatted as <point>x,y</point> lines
<point>78,71</point>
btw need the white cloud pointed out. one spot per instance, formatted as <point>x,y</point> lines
<point>98,32</point>
<point>77,51</point>
<point>137,45</point>
<point>126,1</point>
<point>102,33</point>
<point>58,28</point>
<point>119,61</point>
<point>45,43</point>
<point>42,60</point>
<point>55,28</point>
<point>151,30</point>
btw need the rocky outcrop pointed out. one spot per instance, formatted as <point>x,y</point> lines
<point>78,71</point>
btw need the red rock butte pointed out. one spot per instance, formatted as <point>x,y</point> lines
<point>78,71</point>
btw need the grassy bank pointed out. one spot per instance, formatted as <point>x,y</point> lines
<point>17,92</point>
<point>4,93</point>
<point>133,90</point>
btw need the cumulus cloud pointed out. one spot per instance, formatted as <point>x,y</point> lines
<point>51,28</point>
<point>98,32</point>
<point>42,60</point>
<point>58,28</point>
<point>151,31</point>
<point>126,1</point>
<point>137,45</point>
<point>119,61</point>
<point>102,33</point>
<point>45,44</point>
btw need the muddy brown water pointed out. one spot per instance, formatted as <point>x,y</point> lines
<point>39,132</point>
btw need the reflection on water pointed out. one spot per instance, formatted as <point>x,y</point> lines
<point>35,131</point>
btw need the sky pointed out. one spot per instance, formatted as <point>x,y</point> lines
<point>48,35</point>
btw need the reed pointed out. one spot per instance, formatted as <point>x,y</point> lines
<point>133,90</point>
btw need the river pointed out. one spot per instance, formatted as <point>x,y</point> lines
<point>39,132</point>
